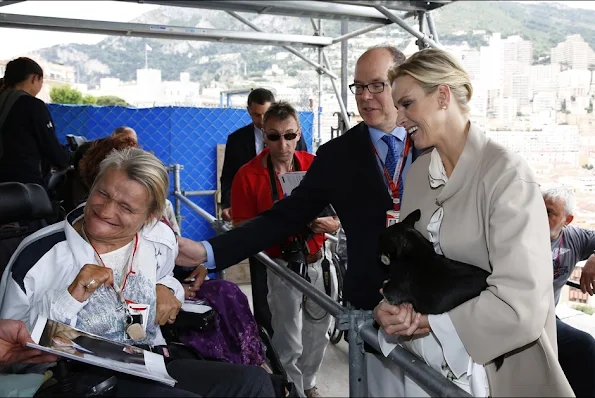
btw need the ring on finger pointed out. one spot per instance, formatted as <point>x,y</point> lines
<point>91,283</point>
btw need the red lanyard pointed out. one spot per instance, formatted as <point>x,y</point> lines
<point>130,261</point>
<point>394,188</point>
<point>559,265</point>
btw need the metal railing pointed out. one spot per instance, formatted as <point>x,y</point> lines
<point>358,323</point>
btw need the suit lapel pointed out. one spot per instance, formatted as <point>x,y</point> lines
<point>248,139</point>
<point>365,166</point>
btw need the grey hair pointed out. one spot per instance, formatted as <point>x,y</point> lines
<point>143,167</point>
<point>565,195</point>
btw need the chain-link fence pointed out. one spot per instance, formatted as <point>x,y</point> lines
<point>188,136</point>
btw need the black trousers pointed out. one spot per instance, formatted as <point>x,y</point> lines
<point>195,379</point>
<point>576,354</point>
<point>260,290</point>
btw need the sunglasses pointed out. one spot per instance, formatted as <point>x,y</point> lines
<point>286,136</point>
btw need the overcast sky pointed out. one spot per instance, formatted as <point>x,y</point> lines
<point>16,42</point>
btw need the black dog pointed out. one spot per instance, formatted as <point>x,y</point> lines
<point>431,283</point>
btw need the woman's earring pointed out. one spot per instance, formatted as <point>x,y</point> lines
<point>444,107</point>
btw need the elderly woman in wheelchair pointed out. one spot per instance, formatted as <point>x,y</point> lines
<point>108,270</point>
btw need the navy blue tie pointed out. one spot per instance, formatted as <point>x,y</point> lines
<point>392,157</point>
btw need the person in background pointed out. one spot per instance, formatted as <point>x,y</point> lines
<point>125,131</point>
<point>243,145</point>
<point>29,147</point>
<point>571,244</point>
<point>122,131</point>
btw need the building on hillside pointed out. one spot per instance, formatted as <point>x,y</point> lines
<point>149,90</point>
<point>573,53</point>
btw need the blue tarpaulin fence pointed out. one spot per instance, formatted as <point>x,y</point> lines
<point>188,136</point>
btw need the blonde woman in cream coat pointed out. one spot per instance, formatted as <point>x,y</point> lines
<point>480,204</point>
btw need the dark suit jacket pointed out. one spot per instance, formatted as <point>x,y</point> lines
<point>239,150</point>
<point>345,173</point>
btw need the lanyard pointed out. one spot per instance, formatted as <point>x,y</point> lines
<point>395,188</point>
<point>118,289</point>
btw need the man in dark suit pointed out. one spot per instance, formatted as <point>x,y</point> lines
<point>241,147</point>
<point>349,173</point>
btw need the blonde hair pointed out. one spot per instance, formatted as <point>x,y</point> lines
<point>143,167</point>
<point>432,67</point>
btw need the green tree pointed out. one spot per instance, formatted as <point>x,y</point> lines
<point>111,100</point>
<point>66,95</point>
<point>89,100</point>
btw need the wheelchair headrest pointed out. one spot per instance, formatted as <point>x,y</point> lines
<point>74,141</point>
<point>23,202</point>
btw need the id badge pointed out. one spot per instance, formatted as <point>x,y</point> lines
<point>139,313</point>
<point>392,217</point>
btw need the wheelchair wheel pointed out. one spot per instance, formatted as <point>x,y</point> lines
<point>335,335</point>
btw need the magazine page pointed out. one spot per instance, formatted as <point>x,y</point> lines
<point>290,181</point>
<point>68,342</point>
<point>197,306</point>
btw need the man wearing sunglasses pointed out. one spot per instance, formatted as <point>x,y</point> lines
<point>256,187</point>
<point>242,146</point>
<point>348,172</point>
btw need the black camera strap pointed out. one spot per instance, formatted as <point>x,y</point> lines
<point>273,176</point>
<point>326,265</point>
<point>326,270</point>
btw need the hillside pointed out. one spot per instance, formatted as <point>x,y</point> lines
<point>546,24</point>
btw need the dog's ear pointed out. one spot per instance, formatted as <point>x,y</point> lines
<point>412,218</point>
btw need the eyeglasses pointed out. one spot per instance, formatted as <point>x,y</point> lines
<point>289,136</point>
<point>373,88</point>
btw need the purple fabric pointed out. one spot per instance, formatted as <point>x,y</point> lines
<point>235,337</point>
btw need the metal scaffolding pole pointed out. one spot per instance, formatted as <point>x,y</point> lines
<point>342,107</point>
<point>320,55</point>
<point>129,29</point>
<point>338,95</point>
<point>385,11</point>
<point>288,48</point>
<point>301,8</point>
<point>421,19</point>
<point>345,34</point>
<point>432,26</point>
<point>345,56</point>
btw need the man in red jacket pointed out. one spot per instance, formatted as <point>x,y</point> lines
<point>299,326</point>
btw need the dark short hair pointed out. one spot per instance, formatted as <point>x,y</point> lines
<point>281,111</point>
<point>260,96</point>
<point>396,54</point>
<point>18,70</point>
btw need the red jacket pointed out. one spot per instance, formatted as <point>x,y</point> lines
<point>251,194</point>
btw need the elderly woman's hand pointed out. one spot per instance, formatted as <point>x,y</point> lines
<point>89,278</point>
<point>168,305</point>
<point>400,319</point>
<point>195,279</point>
